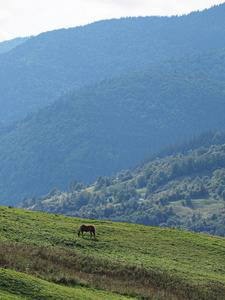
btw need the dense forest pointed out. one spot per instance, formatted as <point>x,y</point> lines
<point>184,190</point>
<point>46,66</point>
<point>104,128</point>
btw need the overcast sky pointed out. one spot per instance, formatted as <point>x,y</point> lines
<point>19,18</point>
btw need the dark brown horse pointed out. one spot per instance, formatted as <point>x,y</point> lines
<point>86,228</point>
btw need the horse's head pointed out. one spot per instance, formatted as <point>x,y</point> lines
<point>79,231</point>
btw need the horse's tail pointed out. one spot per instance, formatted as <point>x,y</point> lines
<point>78,232</point>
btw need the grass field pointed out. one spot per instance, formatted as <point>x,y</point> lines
<point>15,285</point>
<point>129,259</point>
<point>205,207</point>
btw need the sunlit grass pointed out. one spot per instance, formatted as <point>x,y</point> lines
<point>204,207</point>
<point>125,258</point>
<point>16,286</point>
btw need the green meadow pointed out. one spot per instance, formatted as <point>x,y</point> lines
<point>16,285</point>
<point>41,253</point>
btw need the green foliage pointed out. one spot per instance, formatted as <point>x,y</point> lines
<point>141,181</point>
<point>166,192</point>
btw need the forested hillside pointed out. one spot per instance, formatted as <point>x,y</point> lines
<point>184,190</point>
<point>37,72</point>
<point>114,123</point>
<point>6,46</point>
<point>107,127</point>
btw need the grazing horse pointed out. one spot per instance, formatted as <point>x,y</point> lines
<point>86,228</point>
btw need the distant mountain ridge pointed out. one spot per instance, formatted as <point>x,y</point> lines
<point>8,45</point>
<point>37,72</point>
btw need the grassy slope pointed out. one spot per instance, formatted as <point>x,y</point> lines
<point>197,260</point>
<point>15,285</point>
<point>204,206</point>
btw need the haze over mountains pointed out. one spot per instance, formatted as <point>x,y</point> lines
<point>35,73</point>
<point>10,44</point>
<point>162,81</point>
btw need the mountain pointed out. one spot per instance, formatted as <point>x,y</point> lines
<point>44,67</point>
<point>8,45</point>
<point>114,123</point>
<point>104,128</point>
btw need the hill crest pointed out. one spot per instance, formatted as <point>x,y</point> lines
<point>50,64</point>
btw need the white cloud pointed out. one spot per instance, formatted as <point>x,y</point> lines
<point>31,17</point>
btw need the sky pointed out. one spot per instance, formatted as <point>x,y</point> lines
<point>20,18</point>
